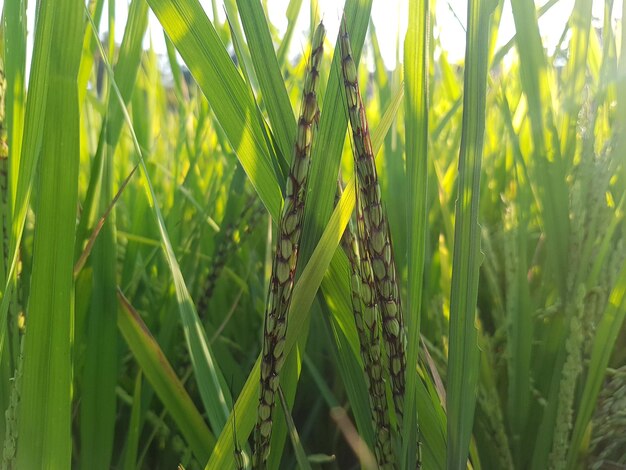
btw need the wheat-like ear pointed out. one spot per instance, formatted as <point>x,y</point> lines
<point>377,240</point>
<point>366,318</point>
<point>227,244</point>
<point>285,260</point>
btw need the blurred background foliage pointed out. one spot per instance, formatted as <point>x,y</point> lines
<point>139,194</point>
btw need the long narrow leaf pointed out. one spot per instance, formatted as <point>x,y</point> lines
<point>463,357</point>
<point>198,43</point>
<point>163,379</point>
<point>604,342</point>
<point>416,63</point>
<point>100,372</point>
<point>210,380</point>
<point>45,413</point>
<point>267,70</point>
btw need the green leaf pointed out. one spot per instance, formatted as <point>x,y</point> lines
<point>603,344</point>
<point>463,356</point>
<point>134,428</point>
<point>416,64</point>
<point>196,40</point>
<point>620,114</point>
<point>127,66</point>
<point>45,412</point>
<point>100,373</point>
<point>14,61</point>
<point>211,383</point>
<point>273,91</point>
<point>301,458</point>
<point>549,169</point>
<point>293,10</point>
<point>432,418</point>
<point>31,140</point>
<point>163,379</point>
<point>575,75</point>
<point>351,372</point>
<point>89,50</point>
<point>518,304</point>
<point>14,27</point>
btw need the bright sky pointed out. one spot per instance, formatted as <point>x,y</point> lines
<point>390,18</point>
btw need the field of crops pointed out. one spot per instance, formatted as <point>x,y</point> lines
<point>232,256</point>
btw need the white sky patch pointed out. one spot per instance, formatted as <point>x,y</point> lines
<point>389,17</point>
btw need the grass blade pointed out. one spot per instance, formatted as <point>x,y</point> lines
<point>196,40</point>
<point>162,377</point>
<point>211,383</point>
<point>100,372</point>
<point>604,342</point>
<point>46,404</point>
<point>575,74</point>
<point>272,85</point>
<point>416,64</point>
<point>14,67</point>
<point>134,428</point>
<point>303,462</point>
<point>463,356</point>
<point>31,141</point>
<point>352,376</point>
<point>550,172</point>
<point>293,10</point>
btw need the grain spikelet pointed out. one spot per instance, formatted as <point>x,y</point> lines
<point>366,318</point>
<point>285,260</point>
<point>251,214</point>
<point>569,375</point>
<point>377,239</point>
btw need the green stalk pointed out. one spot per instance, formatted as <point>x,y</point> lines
<point>45,413</point>
<point>14,26</point>
<point>98,401</point>
<point>5,204</point>
<point>286,258</point>
<point>376,230</point>
<point>464,356</point>
<point>416,86</point>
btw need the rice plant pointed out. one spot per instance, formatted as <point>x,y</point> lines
<point>232,236</point>
<point>375,230</point>
<point>286,257</point>
<point>366,320</point>
<point>249,241</point>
